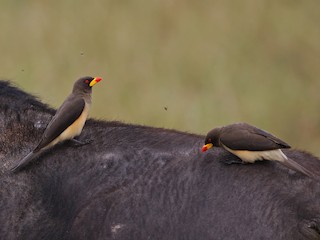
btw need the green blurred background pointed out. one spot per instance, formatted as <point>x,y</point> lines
<point>187,65</point>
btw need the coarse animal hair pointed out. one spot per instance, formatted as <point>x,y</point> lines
<point>138,182</point>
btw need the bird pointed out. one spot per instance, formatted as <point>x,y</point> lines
<point>68,121</point>
<point>250,144</point>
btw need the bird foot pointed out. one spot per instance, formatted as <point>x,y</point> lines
<point>230,161</point>
<point>78,143</point>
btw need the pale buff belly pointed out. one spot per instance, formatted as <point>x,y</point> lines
<point>252,156</point>
<point>74,129</point>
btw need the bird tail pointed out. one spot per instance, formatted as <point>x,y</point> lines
<point>25,161</point>
<point>297,167</point>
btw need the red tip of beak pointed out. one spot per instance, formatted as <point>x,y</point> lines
<point>204,148</point>
<point>98,79</point>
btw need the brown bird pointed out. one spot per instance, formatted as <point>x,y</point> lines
<point>251,144</point>
<point>68,121</point>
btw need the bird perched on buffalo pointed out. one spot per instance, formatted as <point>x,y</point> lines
<point>251,144</point>
<point>68,121</point>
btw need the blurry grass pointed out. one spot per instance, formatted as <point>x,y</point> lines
<point>208,63</point>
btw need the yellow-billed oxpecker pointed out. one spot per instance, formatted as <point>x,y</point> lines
<point>251,144</point>
<point>68,121</point>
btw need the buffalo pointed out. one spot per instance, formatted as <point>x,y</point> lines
<point>139,182</point>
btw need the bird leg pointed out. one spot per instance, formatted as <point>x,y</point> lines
<point>79,143</point>
<point>232,160</point>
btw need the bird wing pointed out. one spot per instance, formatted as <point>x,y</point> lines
<point>69,112</point>
<point>252,139</point>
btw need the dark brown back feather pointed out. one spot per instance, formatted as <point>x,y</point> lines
<point>242,136</point>
<point>69,112</point>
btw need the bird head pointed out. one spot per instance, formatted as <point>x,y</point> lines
<point>212,139</point>
<point>208,144</point>
<point>85,83</point>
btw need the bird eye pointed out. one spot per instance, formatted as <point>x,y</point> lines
<point>86,81</point>
<point>209,140</point>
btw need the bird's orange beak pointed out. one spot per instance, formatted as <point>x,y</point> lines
<point>94,81</point>
<point>206,147</point>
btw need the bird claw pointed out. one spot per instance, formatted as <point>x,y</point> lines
<point>230,161</point>
<point>78,143</point>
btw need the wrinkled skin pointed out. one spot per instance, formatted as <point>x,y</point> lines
<point>136,182</point>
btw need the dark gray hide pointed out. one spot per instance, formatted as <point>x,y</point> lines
<point>136,182</point>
